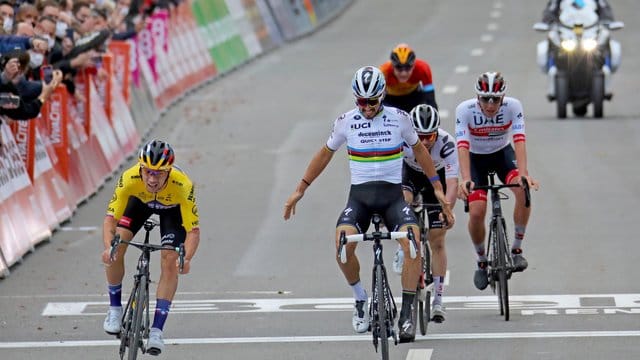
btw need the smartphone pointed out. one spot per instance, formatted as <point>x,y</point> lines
<point>9,99</point>
<point>46,73</point>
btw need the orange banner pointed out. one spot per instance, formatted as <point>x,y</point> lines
<point>121,51</point>
<point>24,132</point>
<point>55,115</point>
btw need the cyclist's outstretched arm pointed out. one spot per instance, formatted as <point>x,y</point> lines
<point>108,232</point>
<point>190,246</point>
<point>520,149</point>
<point>318,163</point>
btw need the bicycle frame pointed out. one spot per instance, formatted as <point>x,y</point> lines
<point>500,264</point>
<point>383,310</point>
<point>135,319</point>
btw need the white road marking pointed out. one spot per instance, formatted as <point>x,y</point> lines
<point>324,339</point>
<point>495,14</point>
<point>486,38</point>
<point>444,114</point>
<point>461,69</point>
<point>419,354</point>
<point>477,52</point>
<point>605,304</point>
<point>79,228</point>
<point>449,89</point>
<point>492,27</point>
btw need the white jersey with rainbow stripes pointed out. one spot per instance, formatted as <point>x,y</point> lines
<point>374,145</point>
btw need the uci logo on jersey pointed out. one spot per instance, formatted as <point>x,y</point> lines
<point>363,125</point>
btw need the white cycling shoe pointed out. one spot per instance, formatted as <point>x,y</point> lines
<point>113,321</point>
<point>155,344</point>
<point>398,261</point>
<point>360,320</point>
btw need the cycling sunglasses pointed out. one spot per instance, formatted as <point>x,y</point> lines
<point>430,137</point>
<point>488,99</point>
<point>362,102</point>
<point>403,68</point>
<point>150,172</point>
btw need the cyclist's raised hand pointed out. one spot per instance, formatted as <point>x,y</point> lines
<point>290,204</point>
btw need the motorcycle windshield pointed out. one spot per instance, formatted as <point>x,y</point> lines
<point>571,14</point>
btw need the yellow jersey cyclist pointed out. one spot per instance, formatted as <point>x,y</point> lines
<point>374,136</point>
<point>417,187</point>
<point>409,80</point>
<point>153,186</point>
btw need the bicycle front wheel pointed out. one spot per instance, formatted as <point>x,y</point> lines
<point>503,286</point>
<point>137,328</point>
<point>383,315</point>
<point>424,311</point>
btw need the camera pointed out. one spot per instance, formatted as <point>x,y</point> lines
<point>9,99</point>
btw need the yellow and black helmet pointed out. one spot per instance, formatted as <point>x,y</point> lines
<point>156,155</point>
<point>402,55</point>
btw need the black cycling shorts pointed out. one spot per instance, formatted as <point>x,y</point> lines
<point>503,162</point>
<point>411,100</point>
<point>417,182</point>
<point>171,229</point>
<point>379,197</point>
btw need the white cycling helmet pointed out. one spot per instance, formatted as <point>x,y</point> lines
<point>425,119</point>
<point>491,84</point>
<point>368,82</point>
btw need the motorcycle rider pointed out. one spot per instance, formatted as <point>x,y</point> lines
<point>551,12</point>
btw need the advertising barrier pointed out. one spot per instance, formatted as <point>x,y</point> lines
<point>52,164</point>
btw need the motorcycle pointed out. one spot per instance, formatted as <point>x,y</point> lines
<point>579,57</point>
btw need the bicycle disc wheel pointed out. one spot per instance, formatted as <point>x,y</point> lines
<point>136,326</point>
<point>503,286</point>
<point>382,314</point>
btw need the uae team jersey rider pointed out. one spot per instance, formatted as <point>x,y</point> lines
<point>153,186</point>
<point>485,128</point>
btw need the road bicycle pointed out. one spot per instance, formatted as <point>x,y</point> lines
<point>500,264</point>
<point>425,286</point>
<point>383,310</point>
<point>135,317</point>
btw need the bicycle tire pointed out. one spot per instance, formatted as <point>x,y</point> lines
<point>503,281</point>
<point>125,330</point>
<point>382,314</point>
<point>425,305</point>
<point>137,326</point>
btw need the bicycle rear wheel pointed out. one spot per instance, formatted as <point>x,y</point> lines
<point>503,285</point>
<point>383,330</point>
<point>137,328</point>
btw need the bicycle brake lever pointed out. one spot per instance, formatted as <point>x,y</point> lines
<point>180,258</point>
<point>341,250</point>
<point>413,251</point>
<point>114,246</point>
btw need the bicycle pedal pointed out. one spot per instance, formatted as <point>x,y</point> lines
<point>437,319</point>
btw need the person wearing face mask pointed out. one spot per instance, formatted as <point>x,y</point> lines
<point>7,14</point>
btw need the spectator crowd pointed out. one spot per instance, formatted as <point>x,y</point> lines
<point>44,43</point>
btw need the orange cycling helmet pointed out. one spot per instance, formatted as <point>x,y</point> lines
<point>402,55</point>
<point>156,155</point>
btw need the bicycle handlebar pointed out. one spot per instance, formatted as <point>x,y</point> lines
<point>117,241</point>
<point>376,235</point>
<point>496,187</point>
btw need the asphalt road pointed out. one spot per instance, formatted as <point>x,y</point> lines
<point>263,288</point>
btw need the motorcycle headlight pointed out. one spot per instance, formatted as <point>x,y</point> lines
<point>568,45</point>
<point>589,44</point>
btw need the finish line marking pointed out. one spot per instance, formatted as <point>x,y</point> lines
<point>419,354</point>
<point>527,305</point>
<point>301,339</point>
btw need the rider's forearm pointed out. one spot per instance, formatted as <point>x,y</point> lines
<point>426,162</point>
<point>464,163</point>
<point>521,158</point>
<point>108,230</point>
<point>452,191</point>
<point>318,163</point>
<point>191,244</point>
